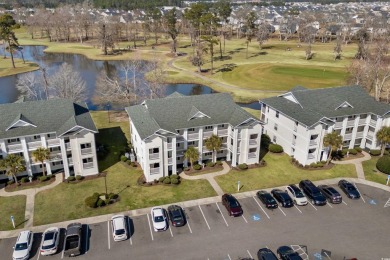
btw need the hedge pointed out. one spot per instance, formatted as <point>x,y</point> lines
<point>353,151</point>
<point>358,149</point>
<point>24,179</point>
<point>375,152</point>
<point>275,148</point>
<point>197,167</point>
<point>383,164</point>
<point>161,179</point>
<point>210,164</point>
<point>243,166</point>
<point>167,181</point>
<point>175,181</point>
<point>123,158</point>
<point>79,177</point>
<point>71,178</point>
<point>175,176</point>
<point>92,201</point>
<point>43,178</point>
<point>100,203</point>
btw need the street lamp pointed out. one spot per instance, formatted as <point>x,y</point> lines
<point>108,112</point>
<point>105,182</point>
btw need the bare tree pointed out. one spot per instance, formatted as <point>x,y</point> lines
<point>337,49</point>
<point>106,37</point>
<point>30,85</point>
<point>155,77</point>
<point>262,34</point>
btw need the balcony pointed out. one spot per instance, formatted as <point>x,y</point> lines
<point>53,142</point>
<point>179,139</point>
<point>70,161</point>
<point>223,132</point>
<point>170,160</point>
<point>55,156</point>
<point>294,142</point>
<point>154,156</point>
<point>86,151</point>
<point>154,170</point>
<point>338,125</point>
<point>312,142</point>
<point>207,134</point>
<point>204,149</point>
<point>347,136</point>
<point>295,128</point>
<point>169,146</point>
<point>370,135</point>
<point>15,148</point>
<point>252,142</point>
<point>251,155</point>
<point>239,136</point>
<point>67,146</point>
<point>362,121</point>
<point>373,123</point>
<point>351,123</point>
<point>193,136</point>
<point>359,135</point>
<point>88,165</point>
<point>310,156</point>
<point>32,145</point>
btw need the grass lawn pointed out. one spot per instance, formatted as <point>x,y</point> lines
<point>372,173</point>
<point>6,68</point>
<point>12,206</point>
<point>279,171</point>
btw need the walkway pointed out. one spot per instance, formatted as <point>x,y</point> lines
<point>209,177</point>
<point>358,164</point>
<point>30,198</point>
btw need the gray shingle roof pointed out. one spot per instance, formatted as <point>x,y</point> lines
<point>173,112</point>
<point>53,115</point>
<point>315,104</point>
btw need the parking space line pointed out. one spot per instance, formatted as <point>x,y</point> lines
<point>361,194</point>
<point>170,229</point>
<point>249,253</point>
<point>312,205</point>
<point>207,223</point>
<point>282,211</point>
<point>150,227</point>
<point>86,241</point>
<point>261,207</point>
<point>63,250</point>
<point>244,218</point>
<point>229,257</point>
<point>188,222</point>
<point>297,208</point>
<point>108,234</point>
<point>344,202</point>
<point>222,214</point>
<point>327,203</point>
<point>39,253</point>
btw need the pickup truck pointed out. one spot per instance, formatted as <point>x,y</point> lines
<point>73,240</point>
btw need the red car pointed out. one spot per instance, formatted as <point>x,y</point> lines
<point>232,205</point>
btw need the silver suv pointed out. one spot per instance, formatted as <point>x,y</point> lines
<point>296,194</point>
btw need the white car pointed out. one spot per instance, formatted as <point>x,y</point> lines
<point>119,230</point>
<point>296,194</point>
<point>50,239</point>
<point>23,245</point>
<point>159,219</point>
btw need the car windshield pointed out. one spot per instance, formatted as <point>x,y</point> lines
<point>350,187</point>
<point>233,203</point>
<point>317,194</point>
<point>48,236</point>
<point>119,232</point>
<point>159,219</point>
<point>178,218</point>
<point>299,194</point>
<point>21,246</point>
<point>48,246</point>
<point>269,198</point>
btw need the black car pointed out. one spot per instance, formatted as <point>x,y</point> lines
<point>267,199</point>
<point>232,205</point>
<point>266,254</point>
<point>287,253</point>
<point>176,215</point>
<point>331,194</point>
<point>312,192</point>
<point>283,198</point>
<point>349,189</point>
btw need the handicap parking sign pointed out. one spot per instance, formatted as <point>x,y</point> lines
<point>256,217</point>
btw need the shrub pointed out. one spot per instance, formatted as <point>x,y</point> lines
<point>197,167</point>
<point>306,166</point>
<point>161,179</point>
<point>265,140</point>
<point>275,148</point>
<point>375,152</point>
<point>243,166</point>
<point>300,165</point>
<point>313,165</point>
<point>91,201</point>
<point>129,162</point>
<point>79,177</point>
<point>210,164</point>
<point>24,179</point>
<point>219,163</point>
<point>133,164</point>
<point>353,151</point>
<point>263,162</point>
<point>293,160</point>
<point>123,158</point>
<point>344,152</point>
<point>383,164</point>
<point>174,176</point>
<point>43,178</point>
<point>113,196</point>
<point>155,181</point>
<point>386,152</point>
<point>96,195</point>
<point>186,169</point>
<point>167,181</point>
<point>10,182</point>
<point>358,149</point>
<point>71,178</point>
<point>175,181</point>
<point>321,164</point>
<point>100,203</point>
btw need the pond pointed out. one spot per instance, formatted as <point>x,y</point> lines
<point>89,70</point>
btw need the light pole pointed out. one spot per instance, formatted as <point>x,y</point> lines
<point>105,183</point>
<point>108,112</point>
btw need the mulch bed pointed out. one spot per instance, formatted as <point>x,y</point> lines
<point>205,170</point>
<point>25,185</point>
<point>351,157</point>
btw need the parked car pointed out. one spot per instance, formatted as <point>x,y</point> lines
<point>283,198</point>
<point>50,240</point>
<point>23,245</point>
<point>119,228</point>
<point>159,219</point>
<point>349,189</point>
<point>287,253</point>
<point>232,205</point>
<point>267,199</point>
<point>296,194</point>
<point>331,194</point>
<point>73,240</point>
<point>176,215</point>
<point>312,192</point>
<point>266,254</point>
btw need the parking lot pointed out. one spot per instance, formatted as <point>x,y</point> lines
<point>354,228</point>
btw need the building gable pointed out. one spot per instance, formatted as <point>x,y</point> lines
<point>20,121</point>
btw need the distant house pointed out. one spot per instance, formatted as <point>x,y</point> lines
<point>299,119</point>
<point>62,126</point>
<point>162,130</point>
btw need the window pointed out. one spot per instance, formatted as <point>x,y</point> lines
<point>276,127</point>
<point>209,127</point>
<point>222,126</point>
<point>274,139</point>
<point>252,150</point>
<point>56,163</point>
<point>13,140</point>
<point>208,154</point>
<point>191,143</point>
<point>87,160</point>
<point>155,165</point>
<point>178,145</point>
<point>191,129</point>
<point>85,146</point>
<point>35,137</point>
<point>221,151</point>
<point>50,135</point>
<point>254,136</point>
<point>231,141</point>
<point>154,150</point>
<point>277,114</point>
<point>178,158</point>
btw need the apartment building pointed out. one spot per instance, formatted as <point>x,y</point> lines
<point>64,127</point>
<point>162,130</point>
<point>299,119</point>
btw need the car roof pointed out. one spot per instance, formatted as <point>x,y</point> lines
<point>157,211</point>
<point>294,187</point>
<point>174,207</point>
<point>118,222</point>
<point>23,236</point>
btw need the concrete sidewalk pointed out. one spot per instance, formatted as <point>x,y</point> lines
<point>358,164</point>
<point>184,204</point>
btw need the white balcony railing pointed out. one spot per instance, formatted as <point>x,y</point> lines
<point>338,125</point>
<point>362,121</point>
<point>70,160</point>
<point>53,142</point>
<point>34,144</point>
<point>193,136</point>
<point>15,147</point>
<point>169,160</point>
<point>359,135</point>
<point>224,146</point>
<point>310,156</point>
<point>205,149</point>
<point>223,132</point>
<point>154,170</point>
<point>351,123</point>
<point>251,155</point>
<point>169,145</point>
<point>86,151</point>
<point>154,156</point>
<point>347,136</point>
<point>55,156</point>
<point>372,123</point>
<point>207,134</point>
<point>179,139</point>
<point>88,165</point>
<point>313,142</point>
<point>252,142</point>
<point>239,136</point>
<point>370,135</point>
<point>294,142</point>
<point>67,146</point>
<point>295,128</point>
